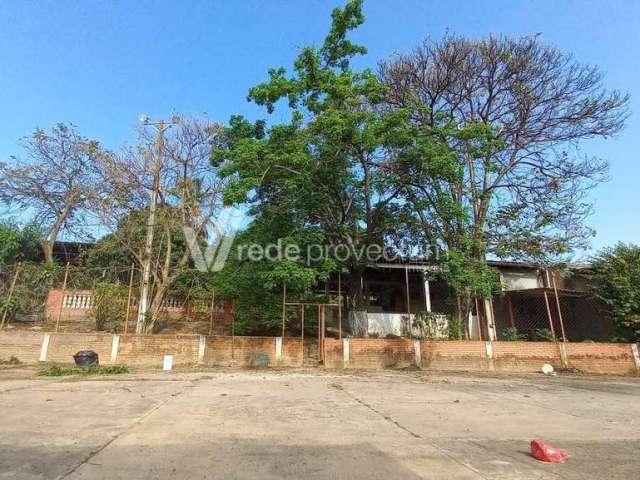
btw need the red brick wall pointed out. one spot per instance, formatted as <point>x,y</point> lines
<point>381,353</point>
<point>62,346</point>
<point>25,346</point>
<point>525,356</point>
<point>453,355</point>
<point>291,352</point>
<point>333,356</point>
<point>239,350</point>
<point>149,350</point>
<point>601,357</point>
<point>363,353</point>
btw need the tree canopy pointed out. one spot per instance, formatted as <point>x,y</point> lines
<point>615,273</point>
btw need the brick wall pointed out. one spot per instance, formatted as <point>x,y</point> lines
<point>25,346</point>
<point>526,356</point>
<point>380,353</point>
<point>291,352</point>
<point>139,350</point>
<point>62,346</point>
<point>601,357</point>
<point>149,350</point>
<point>333,355</point>
<point>219,351</point>
<point>454,355</point>
<point>245,351</point>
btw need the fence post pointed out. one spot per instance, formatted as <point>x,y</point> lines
<point>115,344</point>
<point>563,354</point>
<point>345,352</point>
<point>488,348</point>
<point>418,353</point>
<point>278,349</point>
<point>45,347</point>
<point>636,355</point>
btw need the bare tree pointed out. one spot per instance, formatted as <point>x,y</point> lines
<point>519,181</point>
<point>540,103</point>
<point>189,194</point>
<point>53,182</point>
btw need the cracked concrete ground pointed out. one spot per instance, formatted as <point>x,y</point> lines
<point>312,425</point>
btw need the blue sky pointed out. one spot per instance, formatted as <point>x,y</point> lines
<point>99,64</point>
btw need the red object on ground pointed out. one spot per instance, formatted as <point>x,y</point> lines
<point>546,453</point>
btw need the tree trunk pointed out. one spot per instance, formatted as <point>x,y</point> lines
<point>47,250</point>
<point>359,304</point>
<point>156,305</point>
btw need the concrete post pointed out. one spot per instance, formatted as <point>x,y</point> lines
<point>427,294</point>
<point>418,353</point>
<point>491,324</point>
<point>115,343</point>
<point>345,352</point>
<point>45,347</point>
<point>488,348</point>
<point>636,355</point>
<point>278,349</point>
<point>202,345</point>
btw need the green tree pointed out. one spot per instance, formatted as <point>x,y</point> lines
<point>615,273</point>
<point>324,175</point>
<point>19,244</point>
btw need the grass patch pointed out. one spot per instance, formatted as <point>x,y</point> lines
<point>65,371</point>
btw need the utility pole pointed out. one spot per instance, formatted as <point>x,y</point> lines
<point>143,305</point>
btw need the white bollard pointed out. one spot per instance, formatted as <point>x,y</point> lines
<point>345,352</point>
<point>115,342</point>
<point>167,363</point>
<point>202,345</point>
<point>45,347</point>
<point>278,349</point>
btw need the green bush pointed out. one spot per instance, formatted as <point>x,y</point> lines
<point>544,335</point>
<point>65,371</point>
<point>615,274</point>
<point>110,306</point>
<point>455,330</point>
<point>511,334</point>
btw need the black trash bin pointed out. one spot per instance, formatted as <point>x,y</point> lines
<point>86,358</point>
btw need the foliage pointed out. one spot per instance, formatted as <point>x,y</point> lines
<point>516,178</point>
<point>429,325</point>
<point>544,335</point>
<point>256,287</point>
<point>110,306</point>
<point>19,244</point>
<point>615,273</point>
<point>57,371</point>
<point>31,289</point>
<point>496,168</point>
<point>322,177</point>
<point>511,334</point>
<point>455,328</point>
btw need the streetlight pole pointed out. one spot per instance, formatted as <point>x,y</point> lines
<point>143,305</point>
